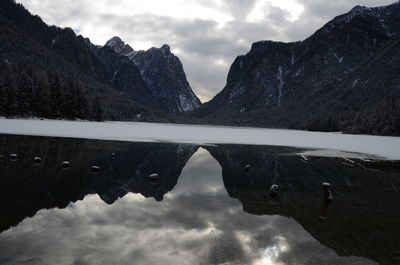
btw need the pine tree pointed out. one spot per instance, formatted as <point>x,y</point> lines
<point>23,92</point>
<point>55,97</point>
<point>3,96</point>
<point>97,111</point>
<point>12,97</point>
<point>81,104</point>
<point>68,108</point>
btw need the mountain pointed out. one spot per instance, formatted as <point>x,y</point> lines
<point>291,84</point>
<point>345,77</point>
<point>50,72</point>
<point>124,76</point>
<point>117,45</point>
<point>163,73</point>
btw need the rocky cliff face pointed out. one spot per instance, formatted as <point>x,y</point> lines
<point>117,45</point>
<point>163,73</point>
<point>124,76</point>
<point>274,78</point>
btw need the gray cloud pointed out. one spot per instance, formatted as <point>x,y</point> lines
<point>205,44</point>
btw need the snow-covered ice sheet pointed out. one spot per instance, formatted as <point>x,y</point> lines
<point>383,147</point>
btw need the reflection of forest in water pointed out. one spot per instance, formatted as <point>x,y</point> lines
<point>364,209</point>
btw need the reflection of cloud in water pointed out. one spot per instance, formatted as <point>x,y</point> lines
<point>270,255</point>
<point>200,175</point>
<point>197,223</point>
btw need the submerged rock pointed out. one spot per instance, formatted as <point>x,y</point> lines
<point>153,178</point>
<point>65,165</point>
<point>273,192</point>
<point>95,169</point>
<point>37,160</point>
<point>13,157</point>
<point>247,169</point>
<point>327,193</point>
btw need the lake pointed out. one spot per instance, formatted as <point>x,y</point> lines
<point>85,201</point>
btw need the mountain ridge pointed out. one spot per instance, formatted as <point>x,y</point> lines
<point>273,85</point>
<point>104,68</point>
<point>163,73</point>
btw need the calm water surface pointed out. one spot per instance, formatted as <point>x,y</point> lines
<point>206,205</point>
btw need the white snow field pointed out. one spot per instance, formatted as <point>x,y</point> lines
<point>379,146</point>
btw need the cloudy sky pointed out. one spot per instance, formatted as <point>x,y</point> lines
<point>207,35</point>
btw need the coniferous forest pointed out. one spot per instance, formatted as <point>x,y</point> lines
<point>39,78</point>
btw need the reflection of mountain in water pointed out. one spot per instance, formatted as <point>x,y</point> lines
<point>362,220</point>
<point>124,167</point>
<point>365,207</point>
<point>131,168</point>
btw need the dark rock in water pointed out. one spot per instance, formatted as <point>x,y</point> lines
<point>153,178</point>
<point>13,157</point>
<point>247,169</point>
<point>37,160</point>
<point>274,188</point>
<point>65,165</point>
<point>273,191</point>
<point>95,169</point>
<point>328,198</point>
